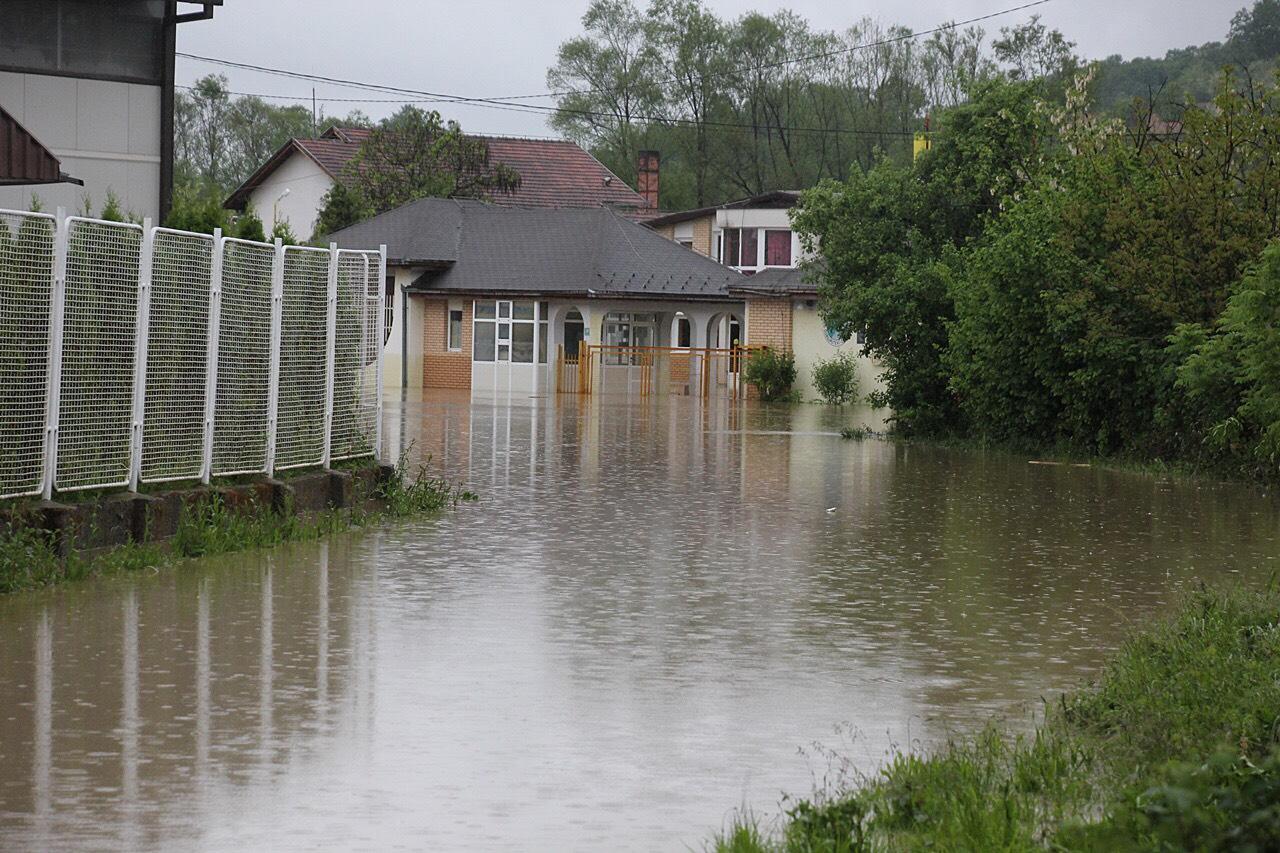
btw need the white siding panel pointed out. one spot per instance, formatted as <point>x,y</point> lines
<point>144,119</point>
<point>102,121</point>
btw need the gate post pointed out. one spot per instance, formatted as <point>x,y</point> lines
<point>53,377</point>
<point>330,345</point>
<point>273,370</point>
<point>211,356</point>
<point>379,346</point>
<point>141,337</point>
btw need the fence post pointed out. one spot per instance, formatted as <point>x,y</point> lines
<point>330,347</point>
<point>141,337</point>
<point>53,378</point>
<point>273,371</point>
<point>380,346</point>
<point>211,355</point>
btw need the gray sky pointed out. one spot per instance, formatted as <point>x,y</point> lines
<point>503,48</point>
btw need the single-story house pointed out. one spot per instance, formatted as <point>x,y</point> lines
<point>754,237</point>
<point>290,186</point>
<point>497,299</point>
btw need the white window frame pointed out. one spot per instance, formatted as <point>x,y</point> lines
<point>450,344</point>
<point>505,321</point>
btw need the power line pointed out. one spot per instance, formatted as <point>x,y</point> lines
<point>424,96</point>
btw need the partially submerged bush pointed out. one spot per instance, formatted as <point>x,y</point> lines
<point>837,378</point>
<point>772,371</point>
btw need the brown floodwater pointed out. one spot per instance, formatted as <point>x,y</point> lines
<point>657,613</point>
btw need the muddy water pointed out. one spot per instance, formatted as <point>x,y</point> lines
<point>656,614</point>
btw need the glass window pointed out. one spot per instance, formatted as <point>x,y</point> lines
<point>542,342</point>
<point>684,331</point>
<point>522,310</point>
<point>730,244</point>
<point>750,240</point>
<point>504,352</point>
<point>454,332</point>
<point>504,310</point>
<point>483,341</point>
<point>777,248</point>
<point>504,331</point>
<point>522,343</point>
<point>486,310</point>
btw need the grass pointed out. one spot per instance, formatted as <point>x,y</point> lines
<point>1175,747</point>
<point>29,558</point>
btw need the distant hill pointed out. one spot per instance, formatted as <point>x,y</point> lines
<point>1190,74</point>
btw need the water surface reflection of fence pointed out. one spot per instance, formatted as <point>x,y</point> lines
<point>131,354</point>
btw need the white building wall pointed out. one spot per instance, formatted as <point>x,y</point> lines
<point>306,184</point>
<point>105,133</point>
<point>810,344</point>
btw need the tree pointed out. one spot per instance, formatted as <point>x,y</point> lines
<point>608,80</point>
<point>411,155</point>
<point>1032,51</point>
<point>887,240</point>
<point>201,121</point>
<point>1256,32</point>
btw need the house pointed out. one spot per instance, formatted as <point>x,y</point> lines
<point>501,299</point>
<point>291,185</point>
<point>91,83</point>
<point>754,236</point>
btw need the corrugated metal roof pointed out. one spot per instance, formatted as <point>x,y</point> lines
<point>23,160</point>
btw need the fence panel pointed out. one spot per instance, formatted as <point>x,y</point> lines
<point>173,423</point>
<point>353,431</point>
<point>26,292</point>
<point>244,359</point>
<point>95,420</point>
<point>300,411</point>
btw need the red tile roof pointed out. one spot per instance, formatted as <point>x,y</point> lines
<point>553,173</point>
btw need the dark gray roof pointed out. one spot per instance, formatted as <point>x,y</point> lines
<point>776,280</point>
<point>478,247</point>
<point>416,234</point>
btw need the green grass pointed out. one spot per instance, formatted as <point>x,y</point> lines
<point>1175,747</point>
<point>29,560</point>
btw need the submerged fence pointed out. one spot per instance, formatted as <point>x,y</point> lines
<point>131,354</point>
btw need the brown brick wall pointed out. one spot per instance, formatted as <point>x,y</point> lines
<point>440,367</point>
<point>769,322</point>
<point>702,235</point>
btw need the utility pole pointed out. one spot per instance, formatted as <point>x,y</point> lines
<point>314,131</point>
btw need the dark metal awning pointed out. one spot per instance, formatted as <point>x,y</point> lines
<point>23,160</point>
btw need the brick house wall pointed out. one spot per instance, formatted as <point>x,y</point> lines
<point>440,367</point>
<point>702,235</point>
<point>769,322</point>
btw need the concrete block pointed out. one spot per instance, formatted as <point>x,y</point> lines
<point>341,489</point>
<point>311,491</point>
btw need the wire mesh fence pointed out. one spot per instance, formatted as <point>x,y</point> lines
<point>131,354</point>
<point>303,370</point>
<point>26,285</point>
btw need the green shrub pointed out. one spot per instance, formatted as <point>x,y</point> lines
<point>837,378</point>
<point>772,371</point>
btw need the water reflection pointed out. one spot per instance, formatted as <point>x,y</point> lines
<point>653,609</point>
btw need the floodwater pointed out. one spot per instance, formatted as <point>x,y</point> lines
<point>657,613</point>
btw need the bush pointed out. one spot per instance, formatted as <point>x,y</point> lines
<point>837,378</point>
<point>772,371</point>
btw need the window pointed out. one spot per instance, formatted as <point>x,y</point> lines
<point>388,307</point>
<point>777,248</point>
<point>750,242</point>
<point>730,244</point>
<point>688,244</point>
<point>121,40</point>
<point>626,331</point>
<point>507,330</point>
<point>453,331</point>
<point>684,331</point>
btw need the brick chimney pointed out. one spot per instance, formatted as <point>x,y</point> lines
<point>647,163</point>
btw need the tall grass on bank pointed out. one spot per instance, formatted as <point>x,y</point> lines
<point>1175,747</point>
<point>29,559</point>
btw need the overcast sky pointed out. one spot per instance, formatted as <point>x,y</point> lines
<point>496,49</point>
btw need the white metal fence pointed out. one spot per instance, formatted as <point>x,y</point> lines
<point>131,354</point>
